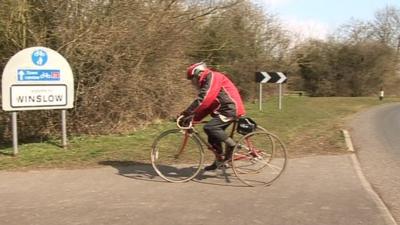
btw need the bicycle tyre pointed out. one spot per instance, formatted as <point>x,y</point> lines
<point>262,129</point>
<point>176,156</point>
<point>259,158</point>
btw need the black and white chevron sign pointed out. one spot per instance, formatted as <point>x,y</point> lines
<point>270,77</point>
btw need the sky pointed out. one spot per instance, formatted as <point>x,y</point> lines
<point>317,18</point>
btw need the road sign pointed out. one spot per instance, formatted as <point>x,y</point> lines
<point>271,77</point>
<point>262,77</point>
<point>37,78</point>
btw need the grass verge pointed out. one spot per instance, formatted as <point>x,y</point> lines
<point>308,126</point>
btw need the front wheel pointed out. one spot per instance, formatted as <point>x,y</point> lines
<point>177,155</point>
<point>259,158</point>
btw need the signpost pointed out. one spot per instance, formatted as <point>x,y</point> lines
<point>271,77</point>
<point>37,78</point>
<point>262,78</point>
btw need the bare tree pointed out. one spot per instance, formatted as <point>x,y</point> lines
<point>354,31</point>
<point>386,26</point>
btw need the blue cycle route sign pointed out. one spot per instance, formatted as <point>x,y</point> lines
<point>38,75</point>
<point>39,57</point>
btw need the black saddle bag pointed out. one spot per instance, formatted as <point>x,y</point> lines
<point>246,125</point>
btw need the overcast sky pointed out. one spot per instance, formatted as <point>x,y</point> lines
<point>317,18</point>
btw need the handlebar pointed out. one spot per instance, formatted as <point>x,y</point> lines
<point>183,128</point>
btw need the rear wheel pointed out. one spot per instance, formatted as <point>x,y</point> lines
<point>259,158</point>
<point>177,155</point>
<point>245,169</point>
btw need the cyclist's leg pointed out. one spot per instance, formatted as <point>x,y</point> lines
<point>218,152</point>
<point>215,130</point>
<point>217,148</point>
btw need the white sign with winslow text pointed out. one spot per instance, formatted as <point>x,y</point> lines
<point>37,78</point>
<point>38,95</point>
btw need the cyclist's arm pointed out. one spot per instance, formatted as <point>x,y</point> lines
<point>206,97</point>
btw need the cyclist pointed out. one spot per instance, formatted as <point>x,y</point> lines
<point>218,97</point>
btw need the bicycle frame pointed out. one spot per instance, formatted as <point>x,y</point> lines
<point>192,131</point>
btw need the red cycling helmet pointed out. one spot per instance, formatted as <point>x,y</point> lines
<point>195,69</point>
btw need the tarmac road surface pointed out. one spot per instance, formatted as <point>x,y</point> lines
<point>376,137</point>
<point>314,190</point>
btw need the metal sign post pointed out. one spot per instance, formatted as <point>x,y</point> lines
<point>260,97</point>
<point>64,127</point>
<point>14,132</point>
<point>262,77</point>
<point>280,97</point>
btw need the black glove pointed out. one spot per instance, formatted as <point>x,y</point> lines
<point>185,113</point>
<point>185,121</point>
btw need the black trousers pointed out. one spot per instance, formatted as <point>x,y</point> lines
<point>215,130</point>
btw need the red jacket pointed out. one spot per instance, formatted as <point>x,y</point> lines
<point>217,95</point>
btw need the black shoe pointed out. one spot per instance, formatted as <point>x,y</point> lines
<point>215,165</point>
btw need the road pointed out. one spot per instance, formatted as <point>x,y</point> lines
<point>314,190</point>
<point>376,136</point>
